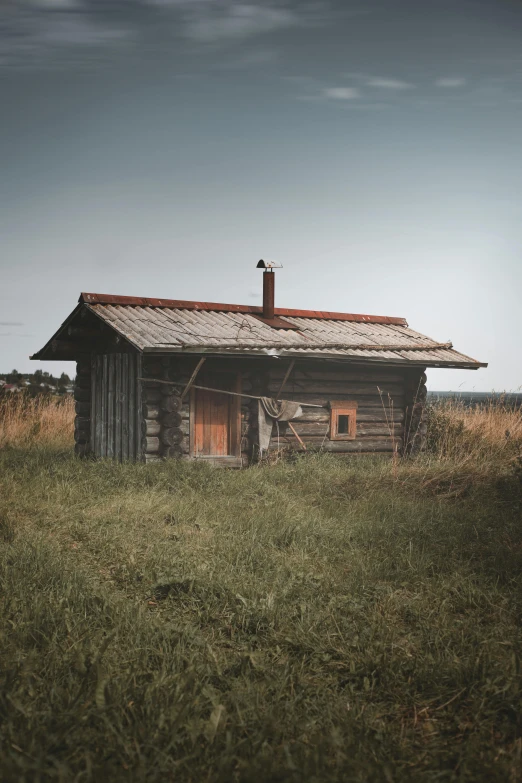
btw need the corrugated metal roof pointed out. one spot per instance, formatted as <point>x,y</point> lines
<point>196,327</point>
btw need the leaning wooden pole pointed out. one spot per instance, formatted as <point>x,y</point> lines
<point>193,377</point>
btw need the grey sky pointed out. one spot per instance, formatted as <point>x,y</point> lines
<point>160,148</point>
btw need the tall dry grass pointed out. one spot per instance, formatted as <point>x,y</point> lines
<point>482,435</point>
<point>36,421</point>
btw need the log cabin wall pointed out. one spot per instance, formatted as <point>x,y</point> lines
<point>390,405</point>
<point>380,394</point>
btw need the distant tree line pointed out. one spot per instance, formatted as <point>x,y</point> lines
<point>39,382</point>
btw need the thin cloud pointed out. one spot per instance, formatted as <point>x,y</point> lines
<point>390,84</point>
<point>55,5</point>
<point>11,323</point>
<point>453,81</point>
<point>341,93</point>
<point>216,23</point>
<point>38,32</point>
<point>33,32</point>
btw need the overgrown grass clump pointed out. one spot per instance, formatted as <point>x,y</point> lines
<point>320,620</point>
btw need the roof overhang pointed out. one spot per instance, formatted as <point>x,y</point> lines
<point>280,353</point>
<point>61,347</point>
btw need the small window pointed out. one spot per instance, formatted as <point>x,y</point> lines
<point>343,424</point>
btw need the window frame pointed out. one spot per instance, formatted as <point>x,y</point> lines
<point>343,408</point>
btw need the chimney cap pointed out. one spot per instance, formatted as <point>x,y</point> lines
<point>268,265</point>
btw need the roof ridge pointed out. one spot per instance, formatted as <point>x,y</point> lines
<point>182,304</point>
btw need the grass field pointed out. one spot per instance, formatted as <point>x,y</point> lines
<point>312,620</point>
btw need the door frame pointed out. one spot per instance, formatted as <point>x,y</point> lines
<point>234,423</point>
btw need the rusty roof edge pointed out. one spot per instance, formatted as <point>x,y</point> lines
<point>182,304</point>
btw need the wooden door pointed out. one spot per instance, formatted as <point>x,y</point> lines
<point>215,431</point>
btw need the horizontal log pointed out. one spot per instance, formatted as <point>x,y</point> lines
<point>82,382</point>
<point>170,403</point>
<point>318,438</point>
<point>83,368</point>
<point>377,414</point>
<point>82,423</point>
<point>322,429</point>
<point>172,419</point>
<point>151,444</point>
<point>82,408</point>
<point>171,452</point>
<point>348,446</point>
<point>415,379</point>
<point>150,411</point>
<point>150,394</point>
<point>178,383</point>
<point>152,370</point>
<point>150,427</point>
<point>362,402</point>
<point>82,436</point>
<point>82,395</point>
<point>171,436</point>
<point>338,387</point>
<point>350,376</point>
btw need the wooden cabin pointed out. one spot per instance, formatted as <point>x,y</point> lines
<point>161,378</point>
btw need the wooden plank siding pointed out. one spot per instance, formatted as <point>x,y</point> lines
<point>115,406</point>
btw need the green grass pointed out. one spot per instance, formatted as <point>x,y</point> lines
<point>319,620</point>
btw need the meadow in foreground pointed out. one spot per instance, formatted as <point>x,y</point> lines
<point>312,620</point>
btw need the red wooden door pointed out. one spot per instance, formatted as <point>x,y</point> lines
<point>212,423</point>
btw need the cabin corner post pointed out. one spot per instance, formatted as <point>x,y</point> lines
<point>172,434</point>
<point>82,397</point>
<point>416,427</point>
<point>150,411</point>
<point>162,431</point>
